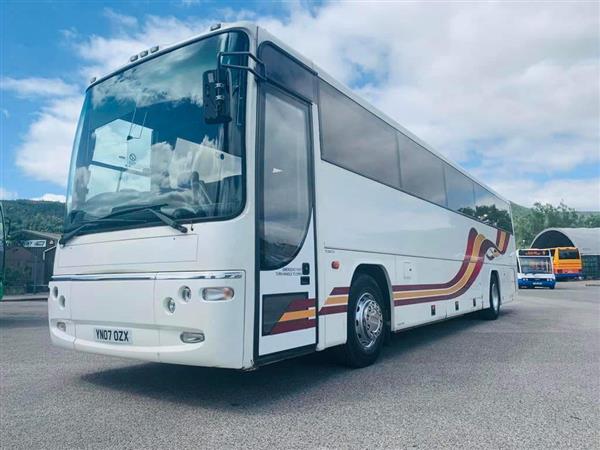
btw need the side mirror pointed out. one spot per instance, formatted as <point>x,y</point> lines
<point>215,96</point>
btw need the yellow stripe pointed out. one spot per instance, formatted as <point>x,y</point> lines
<point>457,286</point>
<point>501,240</point>
<point>293,315</point>
<point>337,300</point>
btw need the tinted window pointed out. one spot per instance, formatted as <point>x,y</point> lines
<point>460,191</point>
<point>286,199</point>
<point>568,254</point>
<point>287,72</point>
<point>492,210</point>
<point>355,139</point>
<point>422,171</point>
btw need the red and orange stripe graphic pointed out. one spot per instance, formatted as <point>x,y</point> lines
<point>478,248</point>
<point>299,315</point>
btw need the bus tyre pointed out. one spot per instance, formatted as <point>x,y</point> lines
<point>365,323</point>
<point>493,310</point>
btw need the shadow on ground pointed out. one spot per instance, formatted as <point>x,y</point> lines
<point>305,379</point>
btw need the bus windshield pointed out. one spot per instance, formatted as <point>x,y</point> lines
<point>142,140</point>
<point>535,264</point>
<point>568,254</point>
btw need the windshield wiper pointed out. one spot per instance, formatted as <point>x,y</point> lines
<point>75,231</point>
<point>113,217</point>
<point>166,219</point>
<point>154,209</point>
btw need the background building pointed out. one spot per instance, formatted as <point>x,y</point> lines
<point>30,261</point>
<point>587,240</point>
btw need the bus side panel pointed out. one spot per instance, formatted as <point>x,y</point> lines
<point>435,249</point>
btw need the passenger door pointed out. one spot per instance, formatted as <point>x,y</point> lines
<point>286,319</point>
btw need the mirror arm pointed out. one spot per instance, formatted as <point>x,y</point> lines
<point>260,76</point>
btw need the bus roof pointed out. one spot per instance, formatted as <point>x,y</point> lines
<point>258,33</point>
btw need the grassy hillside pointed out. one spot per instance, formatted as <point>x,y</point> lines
<point>34,215</point>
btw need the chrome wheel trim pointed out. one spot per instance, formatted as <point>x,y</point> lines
<point>368,320</point>
<point>495,297</point>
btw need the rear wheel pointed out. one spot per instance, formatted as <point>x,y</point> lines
<point>493,310</point>
<point>365,325</point>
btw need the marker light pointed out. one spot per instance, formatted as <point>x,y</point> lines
<point>154,49</point>
<point>185,293</point>
<point>215,27</point>
<point>133,58</point>
<point>170,304</point>
<point>61,326</point>
<point>335,264</point>
<point>143,53</point>
<point>191,338</point>
<point>218,293</point>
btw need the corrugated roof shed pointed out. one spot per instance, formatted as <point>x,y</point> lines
<point>587,240</point>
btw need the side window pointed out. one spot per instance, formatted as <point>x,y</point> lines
<point>287,72</point>
<point>460,191</point>
<point>355,139</point>
<point>286,204</point>
<point>422,171</point>
<point>492,210</point>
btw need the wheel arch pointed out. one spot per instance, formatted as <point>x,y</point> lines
<point>381,276</point>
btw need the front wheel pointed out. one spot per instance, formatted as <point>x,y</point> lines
<point>493,310</point>
<point>365,323</point>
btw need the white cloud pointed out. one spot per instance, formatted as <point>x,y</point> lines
<point>48,197</point>
<point>511,89</point>
<point>7,195</point>
<point>44,152</point>
<point>35,87</point>
<point>583,195</point>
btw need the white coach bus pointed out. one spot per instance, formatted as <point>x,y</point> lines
<point>230,205</point>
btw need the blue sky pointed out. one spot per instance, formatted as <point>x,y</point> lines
<point>510,91</point>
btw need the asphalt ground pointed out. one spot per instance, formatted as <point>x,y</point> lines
<point>531,379</point>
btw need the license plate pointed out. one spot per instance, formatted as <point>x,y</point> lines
<point>113,335</point>
<point>537,283</point>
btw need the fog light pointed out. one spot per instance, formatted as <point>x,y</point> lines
<point>216,294</point>
<point>61,326</point>
<point>170,304</point>
<point>192,338</point>
<point>185,293</point>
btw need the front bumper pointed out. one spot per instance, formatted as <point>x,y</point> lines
<point>138,303</point>
<point>536,282</point>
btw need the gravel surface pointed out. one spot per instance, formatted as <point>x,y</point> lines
<point>528,380</point>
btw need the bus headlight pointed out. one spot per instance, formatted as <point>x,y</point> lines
<point>170,305</point>
<point>214,294</point>
<point>185,293</point>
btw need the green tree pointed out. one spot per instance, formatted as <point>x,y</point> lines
<point>529,222</point>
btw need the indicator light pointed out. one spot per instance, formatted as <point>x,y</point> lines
<point>217,294</point>
<point>62,301</point>
<point>335,264</point>
<point>191,338</point>
<point>61,326</point>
